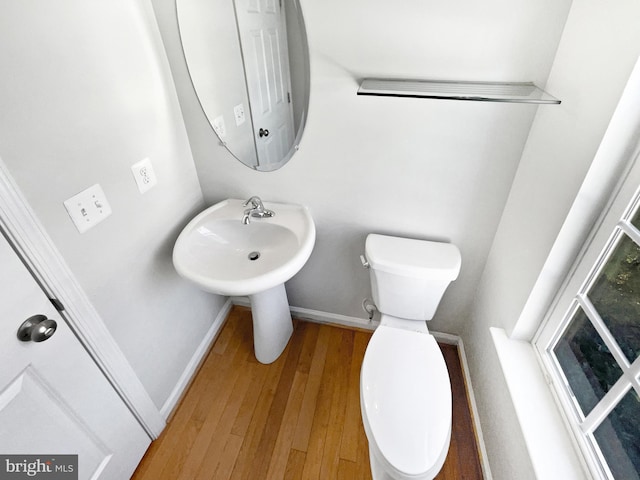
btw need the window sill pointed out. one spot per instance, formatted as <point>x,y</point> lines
<point>548,441</point>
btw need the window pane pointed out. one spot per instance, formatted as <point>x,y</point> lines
<point>619,438</point>
<point>616,296</point>
<point>586,362</point>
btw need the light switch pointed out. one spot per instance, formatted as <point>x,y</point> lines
<point>219,126</point>
<point>88,208</point>
<point>144,175</point>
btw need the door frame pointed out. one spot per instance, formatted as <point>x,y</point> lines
<point>35,247</point>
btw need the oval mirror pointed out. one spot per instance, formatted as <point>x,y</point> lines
<point>249,65</point>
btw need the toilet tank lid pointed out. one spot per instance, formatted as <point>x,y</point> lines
<point>411,257</point>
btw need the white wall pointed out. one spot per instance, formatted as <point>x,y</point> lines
<point>85,93</point>
<point>210,37</point>
<point>599,47</point>
<point>597,52</point>
<point>430,169</point>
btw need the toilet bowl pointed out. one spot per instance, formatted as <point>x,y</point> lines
<point>405,392</point>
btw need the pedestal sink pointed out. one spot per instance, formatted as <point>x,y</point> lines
<point>221,255</point>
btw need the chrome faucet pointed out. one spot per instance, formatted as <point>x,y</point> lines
<point>257,210</point>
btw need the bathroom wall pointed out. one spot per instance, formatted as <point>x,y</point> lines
<point>431,169</point>
<point>598,49</point>
<point>210,35</point>
<point>85,93</point>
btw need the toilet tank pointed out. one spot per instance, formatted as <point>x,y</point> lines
<point>409,277</point>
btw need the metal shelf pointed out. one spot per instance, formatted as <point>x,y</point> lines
<point>477,91</point>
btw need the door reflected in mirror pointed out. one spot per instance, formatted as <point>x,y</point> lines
<point>249,65</point>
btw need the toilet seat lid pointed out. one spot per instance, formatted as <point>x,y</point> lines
<point>406,399</point>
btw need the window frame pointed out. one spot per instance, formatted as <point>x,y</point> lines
<point>613,224</point>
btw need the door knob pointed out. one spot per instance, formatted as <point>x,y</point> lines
<point>263,132</point>
<point>37,329</point>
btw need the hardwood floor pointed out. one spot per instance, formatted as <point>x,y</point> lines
<point>298,418</point>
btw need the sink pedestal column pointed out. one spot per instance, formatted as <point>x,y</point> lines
<point>272,325</point>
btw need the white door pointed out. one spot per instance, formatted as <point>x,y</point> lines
<point>263,38</point>
<point>54,400</point>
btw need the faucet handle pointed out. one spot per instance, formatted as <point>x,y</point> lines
<point>255,202</point>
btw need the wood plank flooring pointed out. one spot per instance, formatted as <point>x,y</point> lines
<point>298,418</point>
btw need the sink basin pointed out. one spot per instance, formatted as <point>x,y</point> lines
<point>221,255</point>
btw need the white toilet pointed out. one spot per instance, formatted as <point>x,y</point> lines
<point>405,393</point>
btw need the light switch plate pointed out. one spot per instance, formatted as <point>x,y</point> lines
<point>219,126</point>
<point>144,175</point>
<point>88,208</point>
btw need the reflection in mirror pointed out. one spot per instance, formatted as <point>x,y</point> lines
<point>257,106</point>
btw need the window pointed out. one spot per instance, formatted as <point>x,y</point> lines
<point>590,344</point>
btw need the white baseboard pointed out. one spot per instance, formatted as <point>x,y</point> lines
<point>318,316</point>
<point>242,301</point>
<point>196,360</point>
<point>446,338</point>
<point>484,459</point>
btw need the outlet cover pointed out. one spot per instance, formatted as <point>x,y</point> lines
<point>144,175</point>
<point>88,208</point>
<point>238,112</point>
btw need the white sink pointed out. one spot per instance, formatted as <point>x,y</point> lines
<point>214,249</point>
<point>221,255</point>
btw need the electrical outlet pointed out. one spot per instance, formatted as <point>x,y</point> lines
<point>238,112</point>
<point>88,208</point>
<point>219,126</point>
<point>144,175</point>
